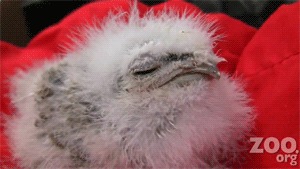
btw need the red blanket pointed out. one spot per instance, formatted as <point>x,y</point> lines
<point>267,59</point>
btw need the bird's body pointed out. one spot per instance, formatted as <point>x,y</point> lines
<point>139,93</point>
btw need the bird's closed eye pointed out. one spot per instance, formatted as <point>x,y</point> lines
<point>144,72</point>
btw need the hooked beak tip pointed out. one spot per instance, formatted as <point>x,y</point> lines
<point>210,69</point>
<point>217,74</point>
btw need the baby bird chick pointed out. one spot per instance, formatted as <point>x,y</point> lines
<point>139,93</point>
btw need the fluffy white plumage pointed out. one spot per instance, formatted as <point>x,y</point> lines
<point>89,110</point>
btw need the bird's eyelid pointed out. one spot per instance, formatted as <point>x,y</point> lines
<point>143,66</point>
<point>144,62</point>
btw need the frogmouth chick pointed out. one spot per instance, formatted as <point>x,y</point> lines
<point>141,92</point>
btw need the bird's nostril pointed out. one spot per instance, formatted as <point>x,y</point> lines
<point>194,63</point>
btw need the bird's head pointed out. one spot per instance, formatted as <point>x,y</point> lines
<point>153,52</point>
<point>149,72</point>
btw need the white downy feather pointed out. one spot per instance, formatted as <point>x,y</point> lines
<point>207,123</point>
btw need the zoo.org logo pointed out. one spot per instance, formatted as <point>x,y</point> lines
<point>271,145</point>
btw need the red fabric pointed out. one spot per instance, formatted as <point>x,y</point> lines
<point>270,66</point>
<point>268,60</point>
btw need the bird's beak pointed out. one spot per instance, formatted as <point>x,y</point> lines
<point>209,69</point>
<point>205,68</point>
